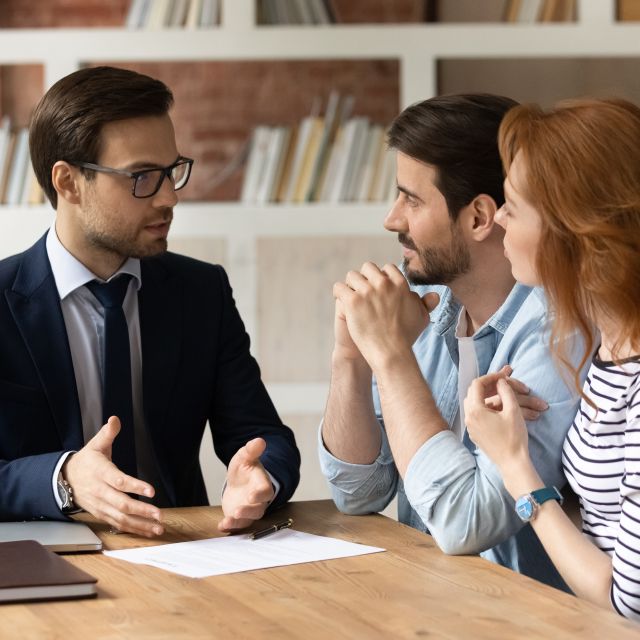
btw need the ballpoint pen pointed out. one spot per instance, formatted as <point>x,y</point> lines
<point>272,529</point>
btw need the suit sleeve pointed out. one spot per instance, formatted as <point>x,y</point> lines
<point>241,407</point>
<point>26,489</point>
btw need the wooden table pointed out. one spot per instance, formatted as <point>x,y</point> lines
<point>411,591</point>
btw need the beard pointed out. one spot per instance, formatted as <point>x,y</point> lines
<point>124,242</point>
<point>126,246</point>
<point>438,265</point>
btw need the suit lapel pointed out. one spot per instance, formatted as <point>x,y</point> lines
<point>161,326</point>
<point>35,305</point>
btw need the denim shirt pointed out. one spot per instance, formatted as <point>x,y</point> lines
<point>451,489</point>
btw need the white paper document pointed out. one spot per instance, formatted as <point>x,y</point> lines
<point>216,556</point>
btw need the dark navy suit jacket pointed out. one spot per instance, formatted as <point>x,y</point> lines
<point>196,367</point>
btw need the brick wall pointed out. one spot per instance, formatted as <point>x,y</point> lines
<point>18,14</point>
<point>219,103</point>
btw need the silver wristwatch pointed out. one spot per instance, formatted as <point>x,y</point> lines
<point>66,495</point>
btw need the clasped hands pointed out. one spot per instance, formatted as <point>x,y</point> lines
<point>377,315</point>
<point>101,489</point>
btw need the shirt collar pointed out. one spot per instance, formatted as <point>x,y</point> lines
<point>448,311</point>
<point>70,274</point>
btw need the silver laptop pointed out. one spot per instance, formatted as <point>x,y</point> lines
<point>61,537</point>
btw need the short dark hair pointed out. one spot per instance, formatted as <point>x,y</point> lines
<point>458,136</point>
<point>68,120</point>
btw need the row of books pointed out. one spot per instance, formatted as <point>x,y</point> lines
<point>332,158</point>
<point>173,14</point>
<point>18,183</point>
<point>540,11</point>
<point>295,12</point>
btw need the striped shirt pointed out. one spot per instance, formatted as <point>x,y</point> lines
<point>601,459</point>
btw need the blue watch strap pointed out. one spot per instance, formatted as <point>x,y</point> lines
<point>548,493</point>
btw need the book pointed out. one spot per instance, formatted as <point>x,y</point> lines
<point>330,123</point>
<point>628,10</point>
<point>255,163</point>
<point>309,160</point>
<point>512,10</point>
<point>548,12</point>
<point>471,11</point>
<point>266,12</point>
<point>267,187</point>
<point>372,157</point>
<point>379,167</point>
<point>18,169</point>
<point>5,150</point>
<point>193,15</point>
<point>566,11</point>
<point>158,15</point>
<point>209,14</point>
<point>28,180</point>
<point>304,11</point>
<point>357,158</point>
<point>321,11</point>
<point>530,10</point>
<point>328,176</point>
<point>287,167</point>
<point>558,11</point>
<point>6,169</point>
<point>385,186</point>
<point>137,14</point>
<point>29,571</point>
<point>352,133</point>
<point>178,14</point>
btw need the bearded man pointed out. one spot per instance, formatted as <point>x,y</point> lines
<point>463,316</point>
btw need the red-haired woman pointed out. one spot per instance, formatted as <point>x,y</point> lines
<point>572,221</point>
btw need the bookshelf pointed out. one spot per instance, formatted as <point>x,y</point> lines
<point>317,242</point>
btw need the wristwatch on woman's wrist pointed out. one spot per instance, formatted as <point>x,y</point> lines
<point>527,505</point>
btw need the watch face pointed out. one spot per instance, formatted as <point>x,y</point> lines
<point>524,508</point>
<point>65,495</point>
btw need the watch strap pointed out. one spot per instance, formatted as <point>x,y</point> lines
<point>548,493</point>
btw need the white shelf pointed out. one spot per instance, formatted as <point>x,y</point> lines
<point>416,46</point>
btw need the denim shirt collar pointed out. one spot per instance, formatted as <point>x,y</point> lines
<point>446,314</point>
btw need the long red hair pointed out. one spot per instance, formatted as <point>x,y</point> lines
<point>582,162</point>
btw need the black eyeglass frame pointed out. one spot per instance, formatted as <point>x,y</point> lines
<point>165,172</point>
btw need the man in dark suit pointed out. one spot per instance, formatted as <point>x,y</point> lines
<point>98,323</point>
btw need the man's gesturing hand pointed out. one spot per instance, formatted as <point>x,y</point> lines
<point>248,491</point>
<point>100,488</point>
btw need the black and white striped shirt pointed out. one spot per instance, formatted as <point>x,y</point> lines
<point>601,458</point>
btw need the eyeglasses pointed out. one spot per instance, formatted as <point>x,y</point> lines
<point>147,182</point>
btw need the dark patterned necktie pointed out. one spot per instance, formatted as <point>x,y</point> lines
<point>116,369</point>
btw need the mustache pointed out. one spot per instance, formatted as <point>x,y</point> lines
<point>405,240</point>
<point>166,215</point>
